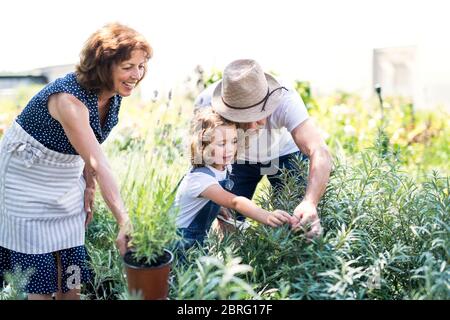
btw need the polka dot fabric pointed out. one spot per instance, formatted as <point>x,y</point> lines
<point>43,268</point>
<point>37,121</point>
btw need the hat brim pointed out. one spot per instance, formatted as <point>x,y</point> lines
<point>251,114</point>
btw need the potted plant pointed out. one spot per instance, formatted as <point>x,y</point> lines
<point>153,231</point>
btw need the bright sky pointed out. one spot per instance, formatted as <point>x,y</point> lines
<point>327,42</point>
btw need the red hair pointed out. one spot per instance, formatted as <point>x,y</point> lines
<point>109,45</point>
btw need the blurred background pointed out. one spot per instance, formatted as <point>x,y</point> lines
<point>347,45</point>
<point>333,53</point>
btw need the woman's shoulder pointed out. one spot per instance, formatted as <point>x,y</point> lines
<point>66,108</point>
<point>70,82</point>
<point>67,84</point>
<point>65,80</point>
<point>64,99</point>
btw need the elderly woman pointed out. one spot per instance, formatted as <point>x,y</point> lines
<point>50,159</point>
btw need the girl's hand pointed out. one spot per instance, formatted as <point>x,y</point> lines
<point>277,218</point>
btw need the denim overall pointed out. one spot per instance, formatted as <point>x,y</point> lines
<point>195,233</point>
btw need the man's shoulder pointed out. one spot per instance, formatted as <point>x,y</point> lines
<point>290,98</point>
<point>291,110</point>
<point>205,97</point>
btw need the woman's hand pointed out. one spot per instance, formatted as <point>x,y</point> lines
<point>123,237</point>
<point>89,193</point>
<point>89,199</point>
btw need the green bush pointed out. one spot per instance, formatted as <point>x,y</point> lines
<point>385,237</point>
<point>153,221</point>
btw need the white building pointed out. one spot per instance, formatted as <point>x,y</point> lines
<point>421,73</point>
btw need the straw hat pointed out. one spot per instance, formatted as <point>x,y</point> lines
<point>246,93</point>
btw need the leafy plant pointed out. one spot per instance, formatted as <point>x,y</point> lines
<point>17,281</point>
<point>105,262</point>
<point>153,221</point>
<point>212,277</point>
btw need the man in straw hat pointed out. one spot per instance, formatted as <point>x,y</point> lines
<point>277,129</point>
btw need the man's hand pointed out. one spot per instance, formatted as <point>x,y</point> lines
<point>308,138</point>
<point>89,197</point>
<point>306,216</point>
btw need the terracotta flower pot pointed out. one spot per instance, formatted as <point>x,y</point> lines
<point>151,281</point>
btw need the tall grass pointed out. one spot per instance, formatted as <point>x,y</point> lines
<point>385,213</point>
<point>385,237</point>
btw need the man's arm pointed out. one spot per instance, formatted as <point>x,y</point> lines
<point>310,142</point>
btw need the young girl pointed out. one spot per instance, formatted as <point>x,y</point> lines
<point>205,188</point>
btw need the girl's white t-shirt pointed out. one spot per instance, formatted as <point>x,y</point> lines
<point>188,201</point>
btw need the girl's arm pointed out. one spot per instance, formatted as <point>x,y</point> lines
<point>245,206</point>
